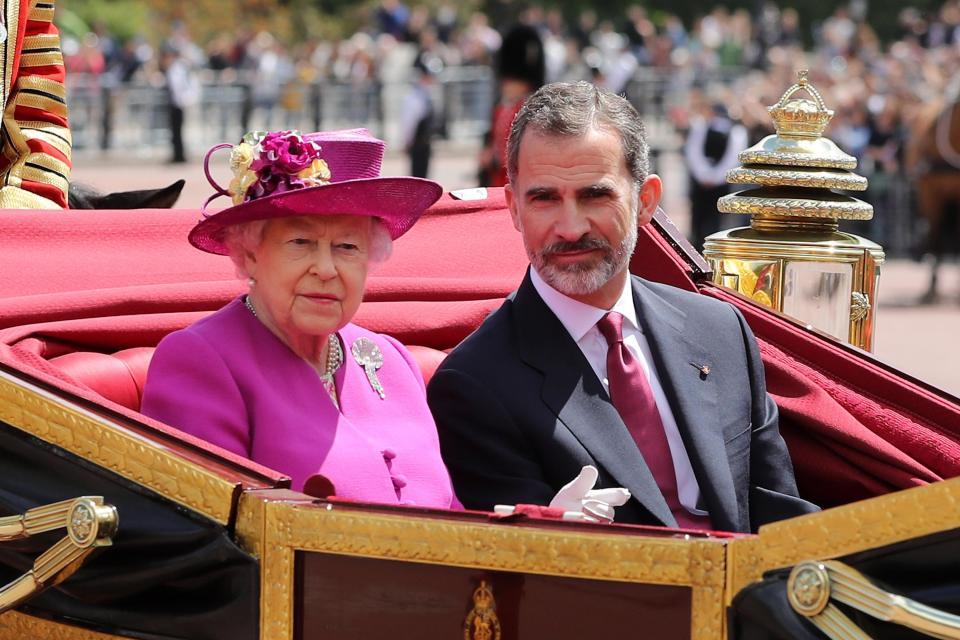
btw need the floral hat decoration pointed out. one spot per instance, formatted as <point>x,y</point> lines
<point>285,173</point>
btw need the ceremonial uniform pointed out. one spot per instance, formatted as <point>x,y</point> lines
<point>35,158</point>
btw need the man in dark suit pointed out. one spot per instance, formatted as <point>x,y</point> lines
<point>660,389</point>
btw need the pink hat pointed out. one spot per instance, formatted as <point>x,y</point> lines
<point>284,173</point>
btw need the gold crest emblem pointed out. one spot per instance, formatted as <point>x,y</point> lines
<point>482,622</point>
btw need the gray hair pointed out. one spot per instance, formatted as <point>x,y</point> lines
<point>567,109</point>
<point>247,236</point>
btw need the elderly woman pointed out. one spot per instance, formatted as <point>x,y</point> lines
<point>280,375</point>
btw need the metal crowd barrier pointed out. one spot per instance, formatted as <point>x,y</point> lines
<point>135,117</point>
<point>109,116</point>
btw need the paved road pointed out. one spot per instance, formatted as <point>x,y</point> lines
<point>917,339</point>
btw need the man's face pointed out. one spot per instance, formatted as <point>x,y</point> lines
<point>578,208</point>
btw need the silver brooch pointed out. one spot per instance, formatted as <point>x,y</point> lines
<point>368,355</point>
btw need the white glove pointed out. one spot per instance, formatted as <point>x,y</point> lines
<point>594,505</point>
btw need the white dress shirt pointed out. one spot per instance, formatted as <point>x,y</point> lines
<point>580,321</point>
<point>704,170</point>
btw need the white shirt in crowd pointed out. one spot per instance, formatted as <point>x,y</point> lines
<point>704,170</point>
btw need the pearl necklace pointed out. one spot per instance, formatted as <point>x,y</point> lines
<point>334,358</point>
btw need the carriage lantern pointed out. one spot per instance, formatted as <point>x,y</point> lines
<point>793,257</point>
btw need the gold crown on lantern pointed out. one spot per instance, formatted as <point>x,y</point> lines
<point>801,117</point>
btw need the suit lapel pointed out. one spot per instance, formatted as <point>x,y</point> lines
<point>679,354</point>
<point>573,392</point>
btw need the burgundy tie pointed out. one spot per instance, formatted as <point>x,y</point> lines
<point>633,398</point>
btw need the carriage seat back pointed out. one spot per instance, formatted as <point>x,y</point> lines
<point>120,376</point>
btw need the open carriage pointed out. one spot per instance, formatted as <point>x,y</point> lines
<point>209,545</point>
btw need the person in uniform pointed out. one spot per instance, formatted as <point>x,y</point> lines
<point>35,158</point>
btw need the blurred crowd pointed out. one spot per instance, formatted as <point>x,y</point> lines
<point>872,86</point>
<point>729,58</point>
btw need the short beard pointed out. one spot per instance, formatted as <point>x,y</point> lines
<point>586,277</point>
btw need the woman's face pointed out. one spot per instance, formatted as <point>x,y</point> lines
<point>310,273</point>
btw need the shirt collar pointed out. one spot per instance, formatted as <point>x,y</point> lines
<point>579,318</point>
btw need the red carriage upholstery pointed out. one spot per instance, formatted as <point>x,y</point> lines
<point>86,319</point>
<point>118,376</point>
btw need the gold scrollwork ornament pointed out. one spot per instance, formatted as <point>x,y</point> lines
<point>482,622</point>
<point>859,306</point>
<point>808,588</point>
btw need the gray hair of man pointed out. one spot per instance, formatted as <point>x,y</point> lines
<point>247,236</point>
<point>571,109</point>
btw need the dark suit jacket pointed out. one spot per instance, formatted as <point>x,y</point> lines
<point>520,411</point>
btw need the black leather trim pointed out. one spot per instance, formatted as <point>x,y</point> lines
<point>171,573</point>
<point>926,569</point>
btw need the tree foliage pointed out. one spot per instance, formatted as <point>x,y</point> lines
<point>291,21</point>
<point>295,21</point>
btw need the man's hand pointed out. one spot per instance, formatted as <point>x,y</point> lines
<point>595,505</point>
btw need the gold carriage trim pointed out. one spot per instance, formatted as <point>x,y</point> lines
<point>813,586</point>
<point>16,626</point>
<point>114,447</point>
<point>277,529</point>
<point>805,179</point>
<point>852,210</point>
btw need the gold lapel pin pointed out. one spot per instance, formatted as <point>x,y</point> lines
<point>704,369</point>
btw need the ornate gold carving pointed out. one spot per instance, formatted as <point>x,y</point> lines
<point>18,626</point>
<point>850,210</point>
<point>787,159</point>
<point>808,588</point>
<point>707,606</point>
<point>276,575</point>
<point>744,565</point>
<point>812,585</point>
<point>607,556</point>
<point>250,523</point>
<point>111,446</point>
<point>89,524</point>
<point>679,561</point>
<point>801,118</point>
<point>859,306</point>
<point>482,622</point>
<point>852,528</point>
<point>83,525</point>
<point>804,179</point>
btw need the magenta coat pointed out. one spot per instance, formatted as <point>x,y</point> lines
<point>229,380</point>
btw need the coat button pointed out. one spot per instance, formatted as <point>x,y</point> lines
<point>399,481</point>
<point>389,454</point>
